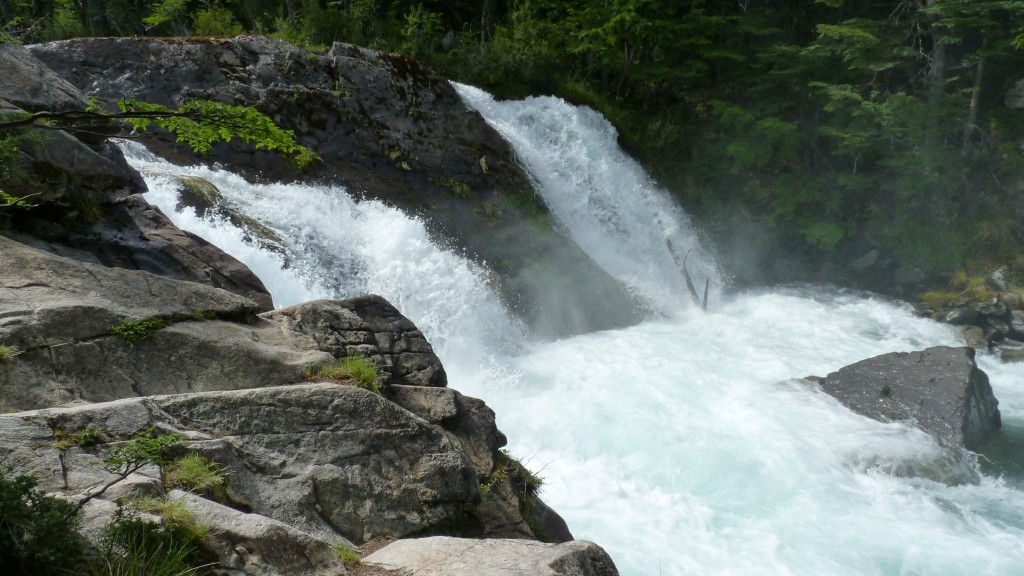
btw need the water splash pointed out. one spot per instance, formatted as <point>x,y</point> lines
<point>685,445</point>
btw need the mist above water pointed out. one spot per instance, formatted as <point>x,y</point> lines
<point>683,445</point>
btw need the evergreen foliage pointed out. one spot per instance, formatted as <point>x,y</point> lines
<point>36,535</point>
<point>832,120</point>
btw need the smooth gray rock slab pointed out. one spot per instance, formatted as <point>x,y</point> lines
<point>430,403</point>
<point>259,546</point>
<point>940,390</point>
<point>30,85</point>
<point>59,312</point>
<point>443,556</point>
<point>332,461</point>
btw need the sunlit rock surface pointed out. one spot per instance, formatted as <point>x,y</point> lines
<point>940,390</point>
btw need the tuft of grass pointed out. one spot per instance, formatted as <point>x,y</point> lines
<point>133,547</point>
<point>347,554</point>
<point>134,331</point>
<point>356,369</point>
<point>172,511</point>
<point>525,483</point>
<point>7,353</point>
<point>196,473</point>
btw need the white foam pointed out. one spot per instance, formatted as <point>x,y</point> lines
<point>683,446</point>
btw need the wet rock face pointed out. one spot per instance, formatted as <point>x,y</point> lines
<point>387,128</point>
<point>940,390</point>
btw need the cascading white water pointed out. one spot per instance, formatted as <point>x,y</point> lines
<point>681,445</point>
<point>605,200</point>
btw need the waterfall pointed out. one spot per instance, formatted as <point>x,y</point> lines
<point>687,444</point>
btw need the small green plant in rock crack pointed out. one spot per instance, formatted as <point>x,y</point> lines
<point>134,331</point>
<point>356,369</point>
<point>132,546</point>
<point>7,353</point>
<point>525,483</point>
<point>62,439</point>
<point>172,511</point>
<point>146,447</point>
<point>196,473</point>
<point>347,554</point>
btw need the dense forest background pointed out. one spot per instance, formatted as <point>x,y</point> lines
<point>838,126</point>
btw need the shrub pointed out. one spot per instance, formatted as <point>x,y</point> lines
<point>197,473</point>
<point>134,331</point>
<point>37,534</point>
<point>7,353</point>
<point>63,439</point>
<point>172,511</point>
<point>133,547</point>
<point>216,22</point>
<point>357,369</point>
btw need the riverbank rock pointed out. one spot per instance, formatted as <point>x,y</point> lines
<point>86,200</point>
<point>338,463</point>
<point>387,128</point>
<point>308,465</point>
<point>442,556</point>
<point>940,390</point>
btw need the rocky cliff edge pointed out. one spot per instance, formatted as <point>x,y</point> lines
<point>115,323</point>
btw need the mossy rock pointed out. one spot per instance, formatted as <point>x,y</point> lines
<point>1011,355</point>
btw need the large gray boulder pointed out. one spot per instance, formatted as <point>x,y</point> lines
<point>255,545</point>
<point>60,313</point>
<point>30,85</point>
<point>87,198</point>
<point>940,390</point>
<point>443,556</point>
<point>368,326</point>
<point>388,128</point>
<point>332,461</point>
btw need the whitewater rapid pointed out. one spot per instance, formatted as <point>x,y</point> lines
<point>683,445</point>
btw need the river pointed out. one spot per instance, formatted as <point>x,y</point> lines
<point>686,444</point>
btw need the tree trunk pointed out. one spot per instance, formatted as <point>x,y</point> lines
<point>487,10</point>
<point>936,71</point>
<point>972,114</point>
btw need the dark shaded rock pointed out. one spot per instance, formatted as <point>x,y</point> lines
<point>387,128</point>
<point>1017,324</point>
<point>992,309</point>
<point>88,202</point>
<point>961,316</point>
<point>940,390</point>
<point>974,337</point>
<point>997,329</point>
<point>549,525</point>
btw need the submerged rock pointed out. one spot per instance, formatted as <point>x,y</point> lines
<point>940,390</point>
<point>442,556</point>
